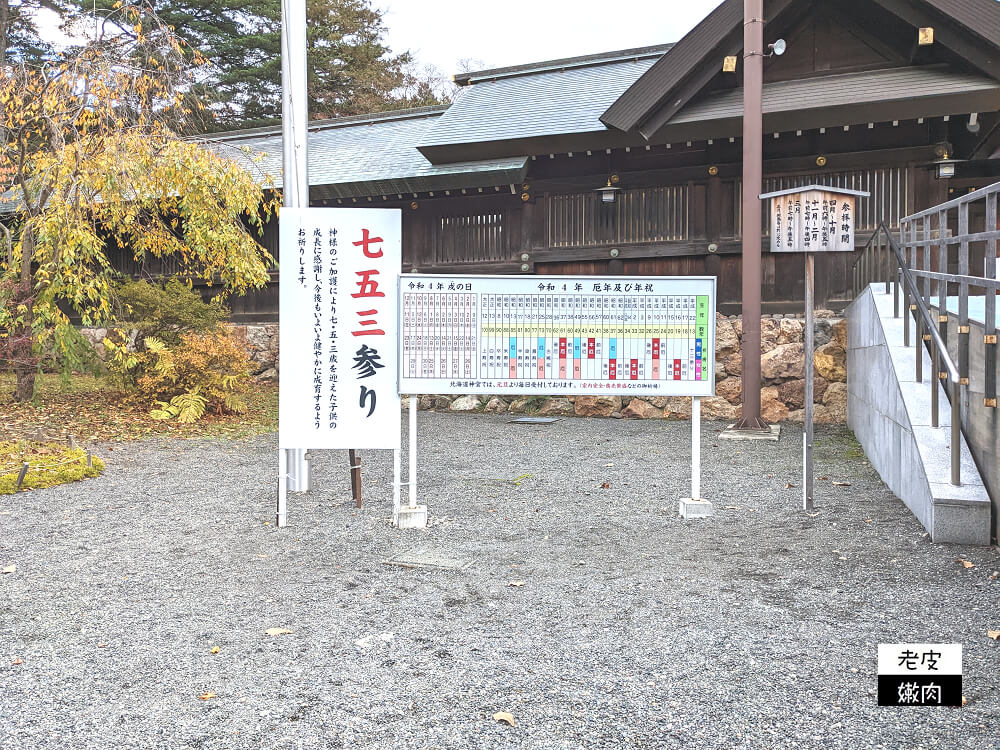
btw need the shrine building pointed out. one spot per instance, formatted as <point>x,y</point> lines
<point>629,162</point>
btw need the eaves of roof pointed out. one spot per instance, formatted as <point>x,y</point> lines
<point>969,28</point>
<point>367,156</point>
<point>846,99</point>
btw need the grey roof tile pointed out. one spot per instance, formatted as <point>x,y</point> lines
<point>374,155</point>
<point>550,102</point>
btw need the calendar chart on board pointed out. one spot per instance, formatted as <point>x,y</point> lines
<point>557,334</point>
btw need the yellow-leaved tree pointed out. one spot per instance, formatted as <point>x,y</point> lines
<point>93,159</point>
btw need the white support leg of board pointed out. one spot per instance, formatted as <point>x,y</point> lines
<point>695,506</point>
<point>281,514</point>
<point>396,485</point>
<point>298,470</point>
<point>413,516</point>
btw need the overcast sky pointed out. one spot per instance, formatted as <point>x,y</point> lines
<point>490,35</point>
<point>443,32</point>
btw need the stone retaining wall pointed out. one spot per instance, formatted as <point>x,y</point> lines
<point>782,368</point>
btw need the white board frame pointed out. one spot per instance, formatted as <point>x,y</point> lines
<point>563,286</point>
<point>338,320</point>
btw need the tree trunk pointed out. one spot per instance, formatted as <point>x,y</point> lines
<point>4,16</point>
<point>24,366</point>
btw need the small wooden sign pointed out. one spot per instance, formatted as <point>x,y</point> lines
<point>813,219</point>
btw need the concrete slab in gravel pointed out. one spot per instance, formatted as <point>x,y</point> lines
<point>621,627</point>
<point>429,557</point>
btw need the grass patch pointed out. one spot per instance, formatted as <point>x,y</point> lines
<point>95,409</point>
<point>49,464</point>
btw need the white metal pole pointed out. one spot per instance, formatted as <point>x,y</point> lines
<point>281,517</point>
<point>695,448</point>
<point>413,451</point>
<point>295,172</point>
<point>396,485</point>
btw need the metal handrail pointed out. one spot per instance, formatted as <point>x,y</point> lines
<point>864,268</point>
<point>911,283</point>
<point>953,203</point>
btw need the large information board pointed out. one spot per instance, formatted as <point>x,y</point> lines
<point>648,335</point>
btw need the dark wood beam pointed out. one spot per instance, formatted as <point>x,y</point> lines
<point>979,54</point>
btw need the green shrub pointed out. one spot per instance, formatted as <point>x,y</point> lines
<point>152,312</point>
<point>49,464</point>
<point>166,312</point>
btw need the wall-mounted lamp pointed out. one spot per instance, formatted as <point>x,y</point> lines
<point>973,125</point>
<point>613,252</point>
<point>820,161</point>
<point>525,257</point>
<point>713,170</point>
<point>729,64</point>
<point>925,36</point>
<point>608,192</point>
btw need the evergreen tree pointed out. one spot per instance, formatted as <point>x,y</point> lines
<point>20,41</point>
<point>351,70</point>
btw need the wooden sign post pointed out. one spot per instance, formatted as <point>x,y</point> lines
<point>812,219</point>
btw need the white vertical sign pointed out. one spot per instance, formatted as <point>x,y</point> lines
<point>339,318</point>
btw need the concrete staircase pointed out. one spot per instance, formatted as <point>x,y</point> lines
<point>890,413</point>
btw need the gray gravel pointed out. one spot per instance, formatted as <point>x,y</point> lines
<point>633,629</point>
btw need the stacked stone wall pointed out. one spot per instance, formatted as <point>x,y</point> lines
<point>782,370</point>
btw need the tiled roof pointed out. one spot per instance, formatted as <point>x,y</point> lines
<point>372,155</point>
<point>547,99</point>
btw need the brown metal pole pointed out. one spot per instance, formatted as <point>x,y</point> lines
<point>807,471</point>
<point>753,126</point>
<point>355,460</point>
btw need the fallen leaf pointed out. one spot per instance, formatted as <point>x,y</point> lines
<point>770,476</point>
<point>17,661</point>
<point>605,486</point>
<point>505,717</point>
<point>278,631</point>
<point>965,563</point>
<point>102,645</point>
<point>214,650</point>
<point>823,479</point>
<point>788,485</point>
<point>516,584</point>
<point>964,700</point>
<point>994,575</point>
<point>730,507</point>
<point>9,569</point>
<point>841,484</point>
<point>609,465</point>
<point>868,520</point>
<point>994,634</point>
<point>207,696</point>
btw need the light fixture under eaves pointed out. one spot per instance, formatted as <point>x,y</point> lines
<point>608,192</point>
<point>778,47</point>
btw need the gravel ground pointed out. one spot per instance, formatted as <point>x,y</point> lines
<point>633,629</point>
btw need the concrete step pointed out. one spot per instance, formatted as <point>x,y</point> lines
<point>890,413</point>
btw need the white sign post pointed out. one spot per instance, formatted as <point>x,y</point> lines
<point>293,468</point>
<point>812,219</point>
<point>339,312</point>
<point>559,336</point>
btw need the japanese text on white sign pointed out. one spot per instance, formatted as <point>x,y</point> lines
<point>557,335</point>
<point>339,310</point>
